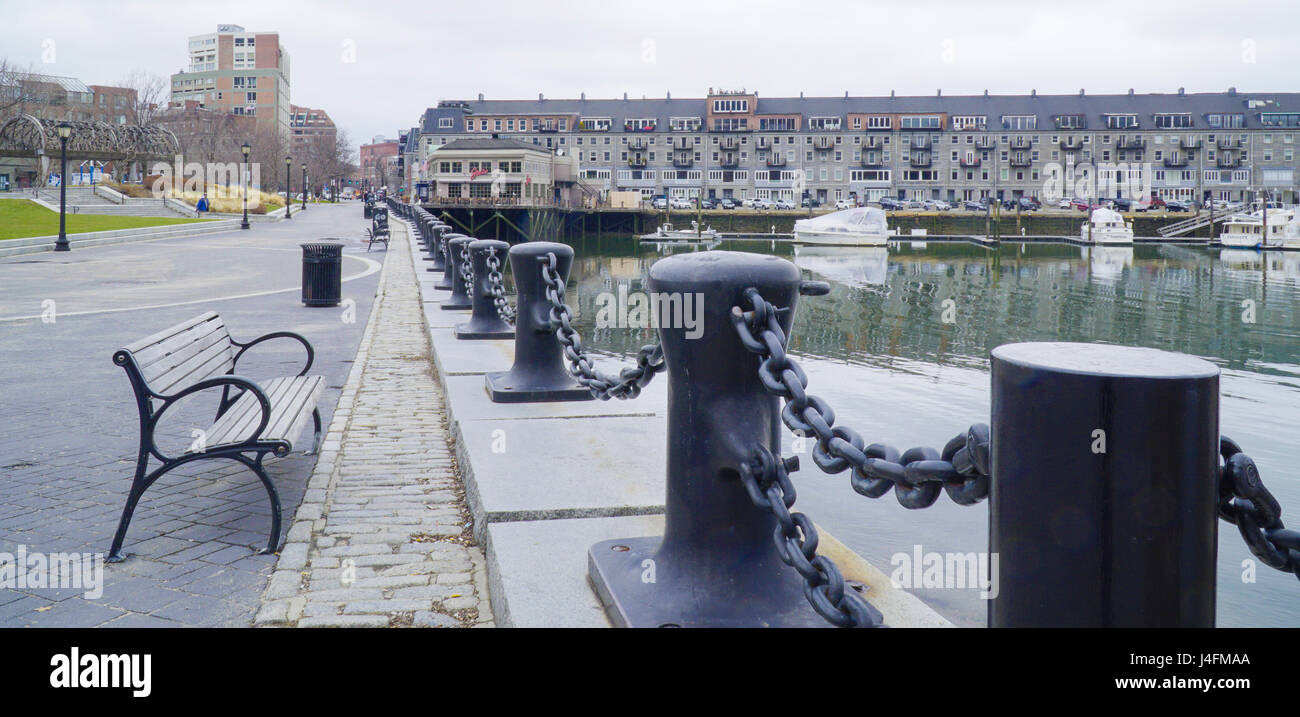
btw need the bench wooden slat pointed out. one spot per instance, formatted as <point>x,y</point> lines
<point>169,370</point>
<point>191,340</point>
<point>213,361</point>
<point>137,346</point>
<point>292,400</point>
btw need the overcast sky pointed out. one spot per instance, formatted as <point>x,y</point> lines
<point>375,66</point>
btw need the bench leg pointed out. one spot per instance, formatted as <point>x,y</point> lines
<point>256,465</point>
<point>139,485</point>
<point>315,417</point>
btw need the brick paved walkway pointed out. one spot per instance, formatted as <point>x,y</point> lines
<point>382,537</point>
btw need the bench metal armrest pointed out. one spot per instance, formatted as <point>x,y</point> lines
<point>226,381</point>
<point>311,353</point>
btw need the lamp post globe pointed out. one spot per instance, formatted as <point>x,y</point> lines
<point>64,130</point>
<point>244,180</point>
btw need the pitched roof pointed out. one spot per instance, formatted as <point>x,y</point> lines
<point>473,143</point>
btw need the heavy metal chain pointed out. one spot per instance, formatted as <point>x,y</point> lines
<point>767,480</point>
<point>1247,504</point>
<point>630,381</point>
<point>466,270</point>
<point>497,283</point>
<point>917,475</point>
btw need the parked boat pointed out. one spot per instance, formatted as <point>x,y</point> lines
<point>1246,230</point>
<point>1106,226</point>
<point>858,226</point>
<point>668,231</point>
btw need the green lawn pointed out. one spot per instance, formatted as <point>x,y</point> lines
<point>24,218</point>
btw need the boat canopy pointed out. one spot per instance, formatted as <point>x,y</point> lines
<point>855,220</point>
<point>1107,216</point>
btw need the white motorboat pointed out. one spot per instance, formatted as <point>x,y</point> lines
<point>1107,263</point>
<point>668,231</point>
<point>858,226</point>
<point>1106,226</point>
<point>1246,230</point>
<point>851,266</point>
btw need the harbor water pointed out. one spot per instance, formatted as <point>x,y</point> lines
<point>900,349</point>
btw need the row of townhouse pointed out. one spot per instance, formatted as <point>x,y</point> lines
<point>1225,145</point>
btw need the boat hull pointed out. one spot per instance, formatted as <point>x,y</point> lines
<point>840,238</point>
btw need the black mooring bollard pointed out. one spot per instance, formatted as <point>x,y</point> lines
<point>716,564</point>
<point>485,322</point>
<point>1102,511</point>
<point>459,297</point>
<point>449,266</point>
<point>434,247</point>
<point>538,373</point>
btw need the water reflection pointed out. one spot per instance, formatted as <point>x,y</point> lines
<point>880,349</point>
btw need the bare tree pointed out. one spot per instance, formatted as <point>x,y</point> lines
<point>13,93</point>
<point>151,93</point>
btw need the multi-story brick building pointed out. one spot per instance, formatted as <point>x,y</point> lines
<point>1222,145</point>
<point>379,164</point>
<point>311,126</point>
<point>54,97</point>
<point>239,72</point>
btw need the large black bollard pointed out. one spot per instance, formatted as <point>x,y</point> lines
<point>459,297</point>
<point>1102,510</point>
<point>716,564</point>
<point>449,266</point>
<point>538,373</point>
<point>485,322</point>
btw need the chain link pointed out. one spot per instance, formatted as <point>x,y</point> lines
<point>917,475</point>
<point>767,480</point>
<point>630,381</point>
<point>466,270</point>
<point>1247,504</point>
<point>496,280</point>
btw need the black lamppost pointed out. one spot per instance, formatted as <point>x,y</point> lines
<point>304,185</point>
<point>245,149</point>
<point>65,130</point>
<point>288,200</point>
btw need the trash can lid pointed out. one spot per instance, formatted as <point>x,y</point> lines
<point>323,244</point>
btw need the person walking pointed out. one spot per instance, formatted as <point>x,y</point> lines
<point>201,206</point>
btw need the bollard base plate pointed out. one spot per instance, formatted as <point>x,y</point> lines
<point>456,305</point>
<point>617,568</point>
<point>463,332</point>
<point>501,389</point>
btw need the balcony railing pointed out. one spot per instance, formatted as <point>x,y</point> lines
<point>636,160</point>
<point>1071,144</point>
<point>985,142</point>
<point>872,160</point>
<point>764,142</point>
<point>1176,160</point>
<point>1020,143</point>
<point>776,159</point>
<point>1019,159</point>
<point>636,144</point>
<point>729,159</point>
<point>729,143</point>
<point>823,144</point>
<point>1131,143</point>
<point>683,161</point>
<point>1228,141</point>
<point>873,142</point>
<point>681,143</point>
<point>920,159</point>
<point>1190,142</point>
<point>920,142</point>
<point>969,160</point>
<point>1228,161</point>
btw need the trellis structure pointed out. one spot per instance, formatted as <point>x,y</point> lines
<point>25,136</point>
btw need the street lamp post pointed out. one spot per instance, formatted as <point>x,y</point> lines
<point>244,180</point>
<point>288,200</point>
<point>64,130</point>
<point>304,185</point>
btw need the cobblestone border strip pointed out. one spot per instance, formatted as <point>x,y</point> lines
<point>285,600</point>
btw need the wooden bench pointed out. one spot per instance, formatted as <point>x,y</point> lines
<point>252,419</point>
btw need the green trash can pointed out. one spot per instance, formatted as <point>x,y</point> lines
<point>322,273</point>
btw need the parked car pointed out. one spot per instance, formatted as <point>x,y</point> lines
<point>845,204</point>
<point>708,203</point>
<point>810,203</point>
<point>936,205</point>
<point>890,204</point>
<point>1175,205</point>
<point>1029,204</point>
<point>681,203</point>
<point>1064,204</point>
<point>974,206</point>
<point>659,202</point>
<point>728,203</point>
<point>784,204</point>
<point>760,203</point>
